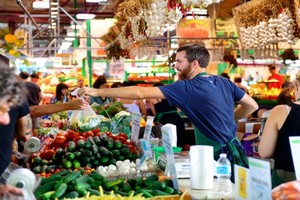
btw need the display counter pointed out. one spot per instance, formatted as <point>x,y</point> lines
<point>204,194</point>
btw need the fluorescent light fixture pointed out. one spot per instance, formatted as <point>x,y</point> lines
<point>75,26</point>
<point>69,39</point>
<point>40,4</point>
<point>85,16</point>
<point>96,1</point>
<point>72,34</point>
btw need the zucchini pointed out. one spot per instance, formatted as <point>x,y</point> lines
<point>160,193</point>
<point>96,176</point>
<point>126,187</point>
<point>94,192</point>
<point>145,193</point>
<point>72,177</point>
<point>97,140</point>
<point>96,185</point>
<point>111,184</point>
<point>60,191</point>
<point>45,188</point>
<point>149,180</point>
<point>71,195</point>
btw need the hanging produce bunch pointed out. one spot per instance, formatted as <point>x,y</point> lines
<point>263,24</point>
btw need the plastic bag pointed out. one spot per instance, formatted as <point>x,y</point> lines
<point>289,190</point>
<point>84,120</point>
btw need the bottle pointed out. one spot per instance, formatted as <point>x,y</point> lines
<point>223,172</point>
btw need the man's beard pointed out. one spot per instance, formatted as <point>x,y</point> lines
<point>185,73</point>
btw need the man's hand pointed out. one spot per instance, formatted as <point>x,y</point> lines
<point>77,104</point>
<point>84,91</point>
<point>8,189</point>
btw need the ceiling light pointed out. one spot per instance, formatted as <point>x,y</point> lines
<point>85,16</point>
<point>40,4</point>
<point>72,34</point>
<point>96,1</point>
<point>69,39</point>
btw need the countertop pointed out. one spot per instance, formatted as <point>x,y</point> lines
<point>204,194</point>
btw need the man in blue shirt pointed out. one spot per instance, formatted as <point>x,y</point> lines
<point>207,100</point>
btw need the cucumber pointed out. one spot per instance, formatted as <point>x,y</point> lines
<point>157,185</point>
<point>71,147</point>
<point>145,193</point>
<point>60,191</point>
<point>80,143</point>
<point>71,195</point>
<point>82,179</point>
<point>91,140</point>
<point>169,190</point>
<point>96,176</point>
<point>45,188</point>
<point>54,177</point>
<point>126,187</point>
<point>72,177</point>
<point>97,140</point>
<point>160,193</point>
<point>94,192</point>
<point>47,195</point>
<point>82,186</point>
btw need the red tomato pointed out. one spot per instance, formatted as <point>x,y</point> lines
<point>132,148</point>
<point>123,135</point>
<point>98,134</point>
<point>71,134</point>
<point>78,138</point>
<point>88,134</point>
<point>59,140</point>
<point>96,130</point>
<point>121,138</point>
<point>108,133</point>
<point>48,154</point>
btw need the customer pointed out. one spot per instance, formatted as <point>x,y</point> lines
<point>207,100</point>
<point>80,84</point>
<point>285,95</point>
<point>10,95</point>
<point>282,123</point>
<point>100,83</point>
<point>61,94</point>
<point>274,77</point>
<point>132,105</point>
<point>238,81</point>
<point>164,114</point>
<point>34,97</point>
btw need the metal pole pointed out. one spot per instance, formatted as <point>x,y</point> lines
<point>89,53</point>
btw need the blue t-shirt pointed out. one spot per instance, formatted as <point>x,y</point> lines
<point>7,134</point>
<point>208,101</point>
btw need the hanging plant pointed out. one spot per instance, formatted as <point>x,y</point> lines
<point>288,54</point>
<point>11,42</point>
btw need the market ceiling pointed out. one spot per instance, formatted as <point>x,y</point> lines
<point>12,13</point>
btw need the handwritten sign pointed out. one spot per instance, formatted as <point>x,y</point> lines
<point>148,128</point>
<point>295,148</point>
<point>242,183</point>
<point>135,128</point>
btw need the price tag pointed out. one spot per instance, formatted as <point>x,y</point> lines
<point>135,128</point>
<point>166,131</point>
<point>148,128</point>
<point>295,147</point>
<point>242,183</point>
<point>260,179</point>
<point>147,152</point>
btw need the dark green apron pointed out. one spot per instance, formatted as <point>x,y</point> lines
<point>159,115</point>
<point>234,150</point>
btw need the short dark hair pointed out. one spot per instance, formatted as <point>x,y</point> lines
<point>24,75</point>
<point>237,79</point>
<point>34,75</point>
<point>59,88</point>
<point>271,67</point>
<point>196,52</point>
<point>99,81</point>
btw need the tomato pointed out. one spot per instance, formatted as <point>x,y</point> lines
<point>88,134</point>
<point>59,140</point>
<point>128,142</point>
<point>96,130</point>
<point>78,138</point>
<point>98,134</point>
<point>71,134</point>
<point>123,135</point>
<point>108,133</point>
<point>121,138</point>
<point>132,148</point>
<point>48,154</point>
<point>112,136</point>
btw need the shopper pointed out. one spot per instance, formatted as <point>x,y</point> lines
<point>282,123</point>
<point>61,94</point>
<point>164,114</point>
<point>207,100</point>
<point>10,95</point>
<point>274,77</point>
<point>132,105</point>
<point>100,82</point>
<point>238,81</point>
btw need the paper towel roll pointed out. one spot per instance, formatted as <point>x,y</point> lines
<point>201,167</point>
<point>172,131</point>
